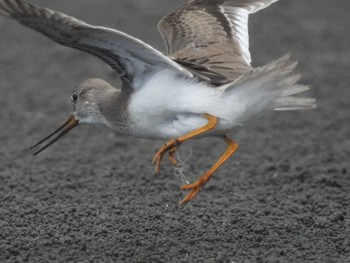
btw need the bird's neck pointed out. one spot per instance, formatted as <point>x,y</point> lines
<point>115,110</point>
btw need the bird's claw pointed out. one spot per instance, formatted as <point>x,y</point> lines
<point>191,195</point>
<point>170,147</point>
<point>194,188</point>
<point>172,159</point>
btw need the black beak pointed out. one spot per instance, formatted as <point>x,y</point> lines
<point>65,128</point>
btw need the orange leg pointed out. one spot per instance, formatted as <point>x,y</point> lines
<point>196,187</point>
<point>172,145</point>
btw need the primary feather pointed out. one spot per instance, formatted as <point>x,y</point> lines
<point>131,58</point>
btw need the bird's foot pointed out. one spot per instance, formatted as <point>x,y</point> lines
<point>170,147</point>
<point>194,188</point>
<point>172,158</point>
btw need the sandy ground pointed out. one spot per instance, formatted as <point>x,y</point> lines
<point>284,197</point>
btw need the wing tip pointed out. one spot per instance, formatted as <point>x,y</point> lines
<point>4,9</point>
<point>10,8</point>
<point>259,5</point>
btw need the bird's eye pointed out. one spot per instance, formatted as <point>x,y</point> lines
<point>74,97</point>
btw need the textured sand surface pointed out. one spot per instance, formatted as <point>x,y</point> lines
<point>284,197</point>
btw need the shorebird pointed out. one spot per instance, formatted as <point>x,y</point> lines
<point>203,86</point>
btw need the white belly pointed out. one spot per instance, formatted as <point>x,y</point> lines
<point>168,107</point>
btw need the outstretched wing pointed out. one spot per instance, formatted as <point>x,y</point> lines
<point>211,36</point>
<point>131,58</point>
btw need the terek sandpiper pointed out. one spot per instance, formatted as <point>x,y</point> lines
<point>203,86</point>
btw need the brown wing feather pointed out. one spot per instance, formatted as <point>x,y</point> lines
<point>212,34</point>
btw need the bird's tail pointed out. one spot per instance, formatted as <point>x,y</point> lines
<point>272,86</point>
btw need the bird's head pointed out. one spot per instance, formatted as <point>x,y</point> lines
<point>91,97</point>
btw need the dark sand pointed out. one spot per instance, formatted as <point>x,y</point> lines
<point>284,197</point>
